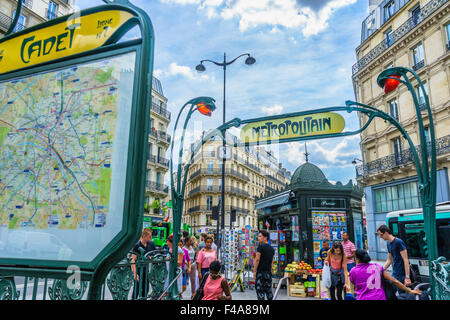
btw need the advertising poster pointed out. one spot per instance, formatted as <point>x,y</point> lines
<point>316,246</point>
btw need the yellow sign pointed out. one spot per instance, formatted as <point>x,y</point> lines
<point>75,35</point>
<point>293,127</point>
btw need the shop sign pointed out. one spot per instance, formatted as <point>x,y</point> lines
<point>293,127</point>
<point>328,203</point>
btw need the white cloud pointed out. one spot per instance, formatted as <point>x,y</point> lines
<point>310,16</point>
<point>174,69</point>
<point>276,109</point>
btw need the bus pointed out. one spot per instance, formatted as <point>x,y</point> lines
<point>408,225</point>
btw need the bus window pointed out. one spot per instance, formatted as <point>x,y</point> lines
<point>414,234</point>
<point>443,235</point>
<point>395,229</point>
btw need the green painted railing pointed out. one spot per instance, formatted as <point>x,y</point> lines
<point>120,283</point>
<point>440,272</point>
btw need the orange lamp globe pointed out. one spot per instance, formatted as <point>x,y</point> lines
<point>204,109</point>
<point>391,84</point>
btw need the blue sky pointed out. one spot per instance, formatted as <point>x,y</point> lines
<point>304,52</point>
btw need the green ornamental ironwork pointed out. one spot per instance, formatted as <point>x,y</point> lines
<point>120,280</point>
<point>8,289</point>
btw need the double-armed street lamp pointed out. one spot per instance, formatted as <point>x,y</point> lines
<point>201,68</point>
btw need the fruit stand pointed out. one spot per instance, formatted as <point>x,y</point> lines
<point>304,280</point>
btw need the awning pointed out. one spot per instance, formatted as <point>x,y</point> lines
<point>273,201</point>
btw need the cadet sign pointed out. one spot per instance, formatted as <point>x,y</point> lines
<point>292,128</point>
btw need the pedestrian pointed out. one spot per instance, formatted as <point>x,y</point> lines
<point>213,246</point>
<point>397,255</point>
<point>180,256</point>
<point>205,257</point>
<point>185,234</point>
<point>185,265</point>
<point>140,272</point>
<point>337,261</point>
<point>324,250</point>
<point>202,244</point>
<point>191,276</point>
<point>349,250</point>
<point>367,278</point>
<point>216,285</point>
<point>262,272</point>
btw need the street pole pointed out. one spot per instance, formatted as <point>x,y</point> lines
<point>200,68</point>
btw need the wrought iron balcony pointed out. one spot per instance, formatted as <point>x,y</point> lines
<point>5,22</point>
<point>418,65</point>
<point>160,110</point>
<point>158,160</point>
<point>209,208</point>
<point>218,171</point>
<point>393,161</point>
<point>216,189</point>
<point>157,187</point>
<point>160,135</point>
<point>410,24</point>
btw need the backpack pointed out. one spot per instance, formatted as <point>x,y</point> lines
<point>200,293</point>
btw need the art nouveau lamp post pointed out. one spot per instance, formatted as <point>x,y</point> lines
<point>204,105</point>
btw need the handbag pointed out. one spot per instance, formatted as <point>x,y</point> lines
<point>199,293</point>
<point>388,287</point>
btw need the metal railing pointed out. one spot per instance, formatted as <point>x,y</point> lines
<point>160,135</point>
<point>279,286</point>
<point>410,24</point>
<point>208,209</point>
<point>160,110</point>
<point>120,284</point>
<point>393,161</point>
<point>218,171</point>
<point>158,187</point>
<point>5,22</point>
<point>233,190</point>
<point>440,269</point>
<point>158,160</point>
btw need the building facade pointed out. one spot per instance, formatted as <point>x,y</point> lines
<point>157,193</point>
<point>413,34</point>
<point>250,173</point>
<point>33,12</point>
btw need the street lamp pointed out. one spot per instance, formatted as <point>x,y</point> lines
<point>204,105</point>
<point>356,159</point>
<point>389,80</point>
<point>201,68</point>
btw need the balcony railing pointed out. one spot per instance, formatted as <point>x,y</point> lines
<point>218,172</point>
<point>5,22</point>
<point>208,208</point>
<point>393,161</point>
<point>410,24</point>
<point>233,190</point>
<point>158,160</point>
<point>160,135</point>
<point>419,65</point>
<point>160,110</point>
<point>158,187</point>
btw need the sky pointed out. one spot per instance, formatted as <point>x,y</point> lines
<point>304,51</point>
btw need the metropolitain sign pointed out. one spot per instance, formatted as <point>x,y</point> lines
<point>290,128</point>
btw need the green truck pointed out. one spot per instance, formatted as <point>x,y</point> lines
<point>161,230</point>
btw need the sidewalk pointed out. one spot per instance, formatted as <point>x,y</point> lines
<point>249,294</point>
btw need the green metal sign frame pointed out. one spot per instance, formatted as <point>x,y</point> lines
<point>96,270</point>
